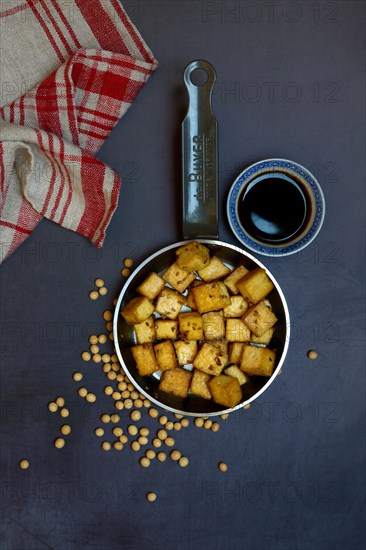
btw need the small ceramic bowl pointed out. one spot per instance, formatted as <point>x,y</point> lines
<point>308,186</point>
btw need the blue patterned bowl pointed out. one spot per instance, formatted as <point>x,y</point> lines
<point>316,207</point>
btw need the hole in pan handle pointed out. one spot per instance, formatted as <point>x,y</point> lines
<point>200,157</point>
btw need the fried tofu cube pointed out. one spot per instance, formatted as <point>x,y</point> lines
<point>210,360</point>
<point>177,278</point>
<point>169,303</point>
<point>176,382</point>
<point>190,325</point>
<point>235,352</point>
<point>259,318</point>
<point>165,355</point>
<point>235,372</point>
<point>193,256</point>
<point>199,384</point>
<point>215,270</point>
<point>213,325</point>
<point>225,390</point>
<point>255,285</point>
<point>234,276</point>
<point>145,331</point>
<point>221,345</point>
<point>190,298</point>
<point>151,286</point>
<point>211,297</point>
<point>264,339</point>
<point>237,307</point>
<point>186,351</point>
<point>144,357</point>
<point>166,329</point>
<point>137,310</point>
<point>257,360</point>
<point>236,331</point>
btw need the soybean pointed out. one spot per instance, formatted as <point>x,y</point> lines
<point>183,462</point>
<point>64,412</point>
<point>24,464</point>
<point>107,315</point>
<point>145,462</point>
<point>135,416</point>
<point>132,430</point>
<point>128,262</point>
<point>162,434</point>
<point>65,429</point>
<point>175,455</point>
<point>135,446</point>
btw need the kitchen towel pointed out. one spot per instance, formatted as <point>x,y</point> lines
<point>69,71</point>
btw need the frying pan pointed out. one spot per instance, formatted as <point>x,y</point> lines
<point>200,223</point>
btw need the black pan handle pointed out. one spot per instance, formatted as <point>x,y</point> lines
<point>200,157</point>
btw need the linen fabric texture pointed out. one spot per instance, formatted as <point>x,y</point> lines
<point>70,69</point>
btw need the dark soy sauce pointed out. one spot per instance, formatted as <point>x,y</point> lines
<point>272,208</point>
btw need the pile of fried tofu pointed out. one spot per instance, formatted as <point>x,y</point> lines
<point>204,326</point>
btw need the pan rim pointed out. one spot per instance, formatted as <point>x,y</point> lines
<point>116,317</point>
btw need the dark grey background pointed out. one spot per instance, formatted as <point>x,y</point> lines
<point>291,83</point>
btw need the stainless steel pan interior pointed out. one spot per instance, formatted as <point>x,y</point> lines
<point>124,335</point>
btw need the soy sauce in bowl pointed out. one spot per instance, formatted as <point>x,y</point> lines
<point>272,208</point>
